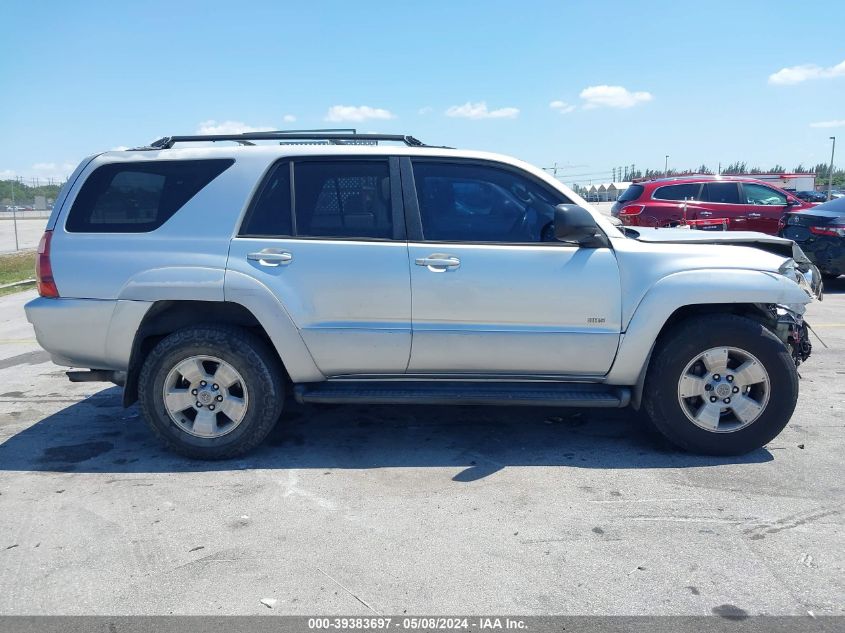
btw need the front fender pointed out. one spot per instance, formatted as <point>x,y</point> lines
<point>693,287</point>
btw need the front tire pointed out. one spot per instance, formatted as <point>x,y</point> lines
<point>720,385</point>
<point>211,392</point>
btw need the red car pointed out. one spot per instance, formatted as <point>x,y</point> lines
<point>744,203</point>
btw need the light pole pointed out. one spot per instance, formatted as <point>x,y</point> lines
<point>15,215</point>
<point>830,171</point>
<point>666,167</point>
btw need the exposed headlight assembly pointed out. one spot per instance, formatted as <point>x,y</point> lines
<point>805,275</point>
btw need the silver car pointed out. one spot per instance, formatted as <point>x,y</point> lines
<point>213,281</point>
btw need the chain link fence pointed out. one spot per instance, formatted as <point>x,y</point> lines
<point>25,205</point>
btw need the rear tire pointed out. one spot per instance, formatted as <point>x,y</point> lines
<point>751,406</point>
<point>195,416</point>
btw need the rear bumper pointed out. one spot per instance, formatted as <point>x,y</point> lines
<point>87,332</point>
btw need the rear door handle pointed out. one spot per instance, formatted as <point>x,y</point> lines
<point>705,214</point>
<point>755,215</point>
<point>438,263</point>
<point>270,257</point>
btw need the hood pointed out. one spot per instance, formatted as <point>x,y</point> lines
<point>796,265</point>
<point>769,243</point>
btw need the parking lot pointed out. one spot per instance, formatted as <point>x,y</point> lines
<point>358,509</point>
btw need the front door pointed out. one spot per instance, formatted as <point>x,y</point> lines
<point>764,207</point>
<point>334,255</point>
<point>493,292</point>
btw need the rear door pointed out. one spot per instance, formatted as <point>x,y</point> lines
<point>678,202</point>
<point>764,207</point>
<point>721,199</point>
<point>327,236</point>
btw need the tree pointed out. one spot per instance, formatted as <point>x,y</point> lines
<point>736,168</point>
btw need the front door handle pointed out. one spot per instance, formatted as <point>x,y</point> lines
<point>705,214</point>
<point>270,257</point>
<point>438,263</point>
<point>755,215</point>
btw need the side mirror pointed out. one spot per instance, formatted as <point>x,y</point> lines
<point>576,224</point>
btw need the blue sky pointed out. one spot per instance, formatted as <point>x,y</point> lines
<point>585,84</point>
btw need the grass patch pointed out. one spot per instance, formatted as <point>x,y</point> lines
<point>16,267</point>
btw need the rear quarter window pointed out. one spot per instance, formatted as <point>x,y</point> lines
<point>631,193</point>
<point>689,191</point>
<point>139,197</point>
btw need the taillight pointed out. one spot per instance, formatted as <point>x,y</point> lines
<point>835,230</point>
<point>632,209</point>
<point>43,268</point>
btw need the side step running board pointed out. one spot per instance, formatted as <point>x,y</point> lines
<point>541,394</point>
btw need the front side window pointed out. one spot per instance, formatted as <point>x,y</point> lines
<point>722,192</point>
<point>678,192</point>
<point>139,197</point>
<point>466,202</point>
<point>760,194</point>
<point>344,199</point>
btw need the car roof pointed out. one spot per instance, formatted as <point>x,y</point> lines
<point>700,178</point>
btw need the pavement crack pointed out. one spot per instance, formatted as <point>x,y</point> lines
<point>347,590</point>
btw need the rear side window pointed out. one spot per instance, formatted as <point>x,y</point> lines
<point>724,192</point>
<point>343,199</point>
<point>678,192</point>
<point>139,197</point>
<point>631,193</point>
<point>270,215</point>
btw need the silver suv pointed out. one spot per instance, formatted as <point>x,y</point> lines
<point>212,281</point>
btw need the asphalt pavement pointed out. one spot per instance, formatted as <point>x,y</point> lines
<point>437,510</point>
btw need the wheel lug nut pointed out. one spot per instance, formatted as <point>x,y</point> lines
<point>215,387</point>
<point>716,376</point>
<point>735,389</point>
<point>727,400</point>
<point>203,383</point>
<point>199,404</point>
<point>729,378</point>
<point>713,398</point>
<point>193,392</point>
<point>708,387</point>
<point>219,398</point>
<point>211,407</point>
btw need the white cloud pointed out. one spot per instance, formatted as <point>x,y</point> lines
<point>612,97</point>
<point>339,113</point>
<point>806,72</point>
<point>228,127</point>
<point>289,118</point>
<point>562,107</point>
<point>425,110</point>
<point>53,170</point>
<point>834,123</point>
<point>43,171</point>
<point>479,111</point>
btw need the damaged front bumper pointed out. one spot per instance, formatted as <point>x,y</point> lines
<point>791,328</point>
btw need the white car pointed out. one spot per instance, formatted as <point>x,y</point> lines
<point>213,281</point>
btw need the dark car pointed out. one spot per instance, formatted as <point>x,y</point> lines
<point>811,196</point>
<point>745,204</point>
<point>820,232</point>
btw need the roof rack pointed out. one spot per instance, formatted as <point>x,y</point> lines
<point>332,136</point>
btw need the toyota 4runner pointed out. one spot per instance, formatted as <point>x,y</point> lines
<point>213,281</point>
